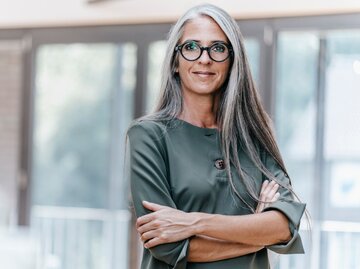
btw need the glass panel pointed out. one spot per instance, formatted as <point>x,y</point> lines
<point>296,108</point>
<point>342,121</point>
<point>342,150</point>
<point>72,124</point>
<point>122,115</point>
<point>127,72</point>
<point>295,118</point>
<point>338,242</point>
<point>83,103</point>
<point>252,47</point>
<point>156,57</point>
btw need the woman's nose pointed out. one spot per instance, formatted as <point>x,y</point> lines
<point>205,57</point>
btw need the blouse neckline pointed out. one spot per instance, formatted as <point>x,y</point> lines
<point>203,130</point>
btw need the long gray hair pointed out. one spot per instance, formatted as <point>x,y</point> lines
<point>240,116</point>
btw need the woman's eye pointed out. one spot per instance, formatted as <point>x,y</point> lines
<point>219,48</point>
<point>191,46</point>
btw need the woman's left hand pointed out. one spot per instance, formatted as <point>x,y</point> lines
<point>164,225</point>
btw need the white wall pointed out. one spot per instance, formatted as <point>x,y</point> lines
<point>44,13</point>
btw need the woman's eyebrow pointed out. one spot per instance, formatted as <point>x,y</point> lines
<point>219,41</point>
<point>192,40</point>
<point>211,42</point>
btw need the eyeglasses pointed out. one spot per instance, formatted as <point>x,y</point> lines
<point>192,51</point>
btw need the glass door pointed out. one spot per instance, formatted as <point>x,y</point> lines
<point>341,232</point>
<point>317,122</point>
<point>83,102</point>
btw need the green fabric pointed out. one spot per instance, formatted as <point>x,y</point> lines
<point>172,163</point>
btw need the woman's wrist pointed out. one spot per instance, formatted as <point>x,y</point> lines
<point>199,222</point>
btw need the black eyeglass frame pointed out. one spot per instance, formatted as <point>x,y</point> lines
<point>179,48</point>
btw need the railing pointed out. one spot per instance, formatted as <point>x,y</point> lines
<point>81,238</point>
<point>341,244</point>
<point>19,248</point>
<point>84,238</point>
<point>331,245</point>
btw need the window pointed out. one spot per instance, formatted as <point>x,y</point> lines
<point>342,150</point>
<point>156,55</point>
<point>83,103</point>
<point>252,47</point>
<point>295,116</point>
<point>317,120</point>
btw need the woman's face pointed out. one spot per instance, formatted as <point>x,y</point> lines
<point>202,76</point>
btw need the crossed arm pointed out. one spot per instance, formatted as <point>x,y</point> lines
<point>215,237</point>
<point>210,237</point>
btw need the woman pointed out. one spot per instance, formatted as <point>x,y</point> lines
<point>200,165</point>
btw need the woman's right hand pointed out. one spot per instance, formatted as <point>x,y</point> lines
<point>268,194</point>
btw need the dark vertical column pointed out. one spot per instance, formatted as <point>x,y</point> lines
<point>24,189</point>
<point>11,72</point>
<point>268,69</point>
<point>141,78</point>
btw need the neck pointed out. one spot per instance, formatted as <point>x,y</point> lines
<point>200,110</point>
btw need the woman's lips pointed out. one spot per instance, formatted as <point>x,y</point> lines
<point>203,74</point>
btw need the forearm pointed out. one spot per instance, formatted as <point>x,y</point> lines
<point>262,229</point>
<point>207,249</point>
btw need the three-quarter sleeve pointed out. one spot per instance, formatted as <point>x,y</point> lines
<point>286,204</point>
<point>148,181</point>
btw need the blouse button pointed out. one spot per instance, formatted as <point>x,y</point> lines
<point>220,164</point>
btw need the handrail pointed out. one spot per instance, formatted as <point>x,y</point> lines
<point>79,213</point>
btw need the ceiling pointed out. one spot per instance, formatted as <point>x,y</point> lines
<point>57,13</point>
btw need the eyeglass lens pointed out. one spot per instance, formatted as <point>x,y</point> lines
<point>192,51</point>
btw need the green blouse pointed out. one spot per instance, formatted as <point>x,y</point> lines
<point>175,163</point>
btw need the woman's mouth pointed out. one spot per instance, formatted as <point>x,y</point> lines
<point>204,74</point>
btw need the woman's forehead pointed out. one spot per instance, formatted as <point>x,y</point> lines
<point>204,30</point>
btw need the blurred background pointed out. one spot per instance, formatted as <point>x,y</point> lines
<point>74,73</point>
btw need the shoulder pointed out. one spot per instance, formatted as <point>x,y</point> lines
<point>147,136</point>
<point>151,128</point>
